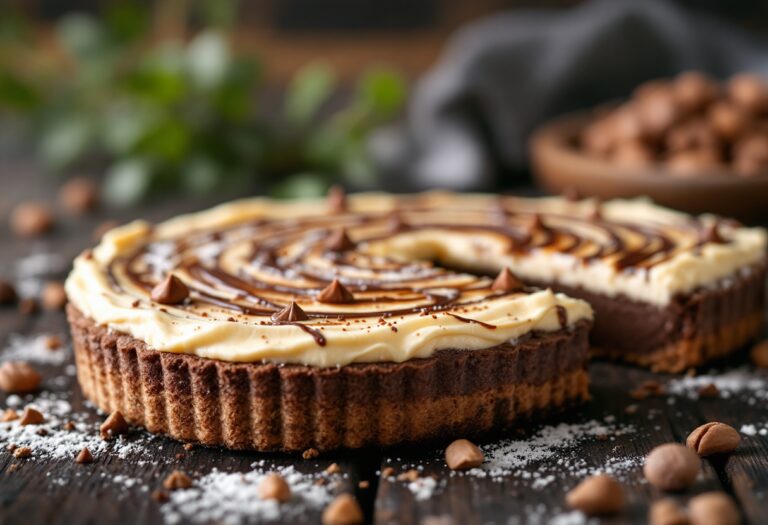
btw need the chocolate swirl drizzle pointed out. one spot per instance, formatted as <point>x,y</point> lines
<point>249,272</point>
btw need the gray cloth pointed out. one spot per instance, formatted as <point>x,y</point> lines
<point>499,78</point>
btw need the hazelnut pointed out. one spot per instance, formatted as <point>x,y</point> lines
<point>31,219</point>
<point>273,486</point>
<point>597,138</point>
<point>713,438</point>
<point>344,510</point>
<point>667,512</point>
<point>713,508</point>
<point>78,195</point>
<point>632,153</point>
<point>463,455</point>
<point>692,163</point>
<point>597,495</point>
<point>749,92</point>
<point>695,134</point>
<point>53,296</point>
<point>750,154</point>
<point>671,467</point>
<point>693,90</point>
<point>728,120</point>
<point>625,123</point>
<point>18,377</point>
<point>657,112</point>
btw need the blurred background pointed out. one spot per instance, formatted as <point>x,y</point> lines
<point>287,97</point>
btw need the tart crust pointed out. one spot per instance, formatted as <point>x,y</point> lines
<point>271,407</point>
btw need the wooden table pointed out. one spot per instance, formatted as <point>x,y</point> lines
<point>48,491</point>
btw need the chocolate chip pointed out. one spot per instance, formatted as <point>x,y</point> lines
<point>462,454</point>
<point>709,391</point>
<point>344,510</point>
<point>22,452</point>
<point>759,354</point>
<point>31,219</point>
<point>31,417</point>
<point>667,512</point>
<point>310,453</point>
<point>671,467</point>
<point>53,297</point>
<point>78,195</point>
<point>713,438</point>
<point>290,314</point>
<point>113,426</point>
<point>337,199</point>
<point>84,456</point>
<point>597,495</point>
<point>713,508</point>
<point>338,241</point>
<point>170,290</point>
<point>177,480</point>
<point>7,293</point>
<point>506,282</point>
<point>69,426</point>
<point>18,377</point>
<point>335,293</point>
<point>274,487</point>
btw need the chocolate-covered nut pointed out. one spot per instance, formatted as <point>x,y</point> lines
<point>632,153</point>
<point>750,154</point>
<point>748,91</point>
<point>671,466</point>
<point>728,120</point>
<point>657,112</point>
<point>597,139</point>
<point>31,219</point>
<point>625,123</point>
<point>693,90</point>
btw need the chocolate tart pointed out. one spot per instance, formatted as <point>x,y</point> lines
<point>375,320</point>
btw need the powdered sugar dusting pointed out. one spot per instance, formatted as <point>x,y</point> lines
<point>34,349</point>
<point>231,498</point>
<point>33,270</point>
<point>740,381</point>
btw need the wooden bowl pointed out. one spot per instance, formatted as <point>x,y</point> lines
<point>559,166</point>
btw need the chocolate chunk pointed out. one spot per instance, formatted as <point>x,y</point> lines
<point>506,282</point>
<point>18,377</point>
<point>84,456</point>
<point>170,290</point>
<point>273,486</point>
<point>338,241</point>
<point>7,293</point>
<point>335,293</point>
<point>344,510</point>
<point>713,508</point>
<point>713,438</point>
<point>671,466</point>
<point>114,425</point>
<point>749,92</point>
<point>79,195</point>
<point>53,297</point>
<point>290,314</point>
<point>597,495</point>
<point>462,454</point>
<point>177,480</point>
<point>31,219</point>
<point>337,199</point>
<point>22,452</point>
<point>31,417</point>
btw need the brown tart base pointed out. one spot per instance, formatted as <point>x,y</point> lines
<point>693,329</point>
<point>271,407</point>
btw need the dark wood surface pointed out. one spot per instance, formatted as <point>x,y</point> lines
<point>47,491</point>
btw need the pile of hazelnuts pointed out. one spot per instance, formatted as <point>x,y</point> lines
<point>689,126</point>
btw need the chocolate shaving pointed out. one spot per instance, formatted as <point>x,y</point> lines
<point>711,234</point>
<point>335,293</point>
<point>506,282</point>
<point>338,241</point>
<point>170,290</point>
<point>290,314</point>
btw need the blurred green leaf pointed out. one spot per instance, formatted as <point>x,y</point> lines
<point>381,92</point>
<point>300,186</point>
<point>127,181</point>
<point>17,94</point>
<point>309,89</point>
<point>125,22</point>
<point>82,35</point>
<point>201,175</point>
<point>207,58</point>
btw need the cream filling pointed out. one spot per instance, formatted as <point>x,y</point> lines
<point>180,330</point>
